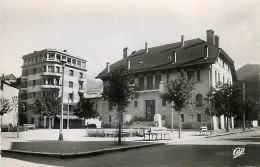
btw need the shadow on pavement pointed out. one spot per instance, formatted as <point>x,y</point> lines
<point>165,155</point>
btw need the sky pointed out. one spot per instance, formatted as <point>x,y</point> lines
<point>98,30</point>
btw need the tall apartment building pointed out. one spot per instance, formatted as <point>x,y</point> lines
<point>203,60</point>
<point>43,70</point>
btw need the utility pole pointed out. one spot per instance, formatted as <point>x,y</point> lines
<point>244,116</point>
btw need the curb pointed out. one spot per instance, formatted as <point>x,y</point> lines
<point>224,134</point>
<point>80,154</point>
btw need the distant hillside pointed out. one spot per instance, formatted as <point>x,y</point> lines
<point>91,84</point>
<point>247,71</point>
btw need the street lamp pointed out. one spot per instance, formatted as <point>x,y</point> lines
<point>61,115</point>
<point>15,103</point>
<point>68,119</point>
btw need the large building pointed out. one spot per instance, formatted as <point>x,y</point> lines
<point>43,70</point>
<point>203,60</point>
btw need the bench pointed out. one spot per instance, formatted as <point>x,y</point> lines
<point>202,131</point>
<point>155,134</point>
<point>28,126</point>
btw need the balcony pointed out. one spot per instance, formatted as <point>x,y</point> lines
<point>46,86</point>
<point>81,90</point>
<point>23,89</point>
<point>58,74</point>
<point>82,79</point>
<point>24,77</point>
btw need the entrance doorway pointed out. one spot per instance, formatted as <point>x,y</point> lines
<point>150,109</point>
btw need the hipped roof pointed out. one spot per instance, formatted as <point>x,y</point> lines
<point>158,58</point>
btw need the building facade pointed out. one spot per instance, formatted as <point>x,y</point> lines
<point>155,66</point>
<point>42,70</point>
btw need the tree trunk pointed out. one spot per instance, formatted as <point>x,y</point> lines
<point>119,129</point>
<point>49,122</point>
<point>227,124</point>
<point>1,120</point>
<point>179,124</point>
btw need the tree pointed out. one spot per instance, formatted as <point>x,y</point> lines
<point>250,106</point>
<point>84,109</point>
<point>48,104</point>
<point>5,107</point>
<point>119,90</point>
<point>226,100</point>
<point>180,93</point>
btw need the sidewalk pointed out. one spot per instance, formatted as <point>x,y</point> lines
<point>45,142</point>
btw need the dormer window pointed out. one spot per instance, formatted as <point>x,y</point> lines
<point>169,57</point>
<point>174,57</point>
<point>140,62</point>
<point>206,52</point>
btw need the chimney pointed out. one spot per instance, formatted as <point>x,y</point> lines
<point>210,37</point>
<point>125,52</point>
<point>128,64</point>
<point>217,41</point>
<point>182,40</point>
<point>108,67</point>
<point>146,47</point>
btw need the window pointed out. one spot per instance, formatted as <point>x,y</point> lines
<point>36,59</point>
<point>223,79</point>
<point>80,85</point>
<point>110,118</point>
<point>73,61</point>
<point>70,96</point>
<point>80,95</point>
<point>69,60</point>
<point>64,57</point>
<point>34,71</point>
<point>51,56</point>
<point>34,82</point>
<point>136,103</point>
<point>79,63</point>
<point>33,94</point>
<point>141,83</point>
<point>168,78</point>
<point>51,69</point>
<point>198,100</point>
<point>190,74</point>
<point>198,75</point>
<point>174,57</point>
<point>223,64</point>
<point>45,57</point>
<point>70,84</point>
<point>149,82</point>
<point>44,81</point>
<point>110,107</point>
<point>58,69</point>
<point>158,79</point>
<point>182,117</point>
<point>57,81</point>
<point>163,102</point>
<point>216,78</point>
<point>50,81</point>
<point>81,75</point>
<point>44,68</point>
<point>83,64</point>
<point>71,72</point>
<point>198,117</point>
<point>58,56</point>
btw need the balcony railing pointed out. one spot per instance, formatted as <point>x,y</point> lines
<point>49,86</point>
<point>59,74</point>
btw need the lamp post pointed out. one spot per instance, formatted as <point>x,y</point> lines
<point>61,115</point>
<point>68,119</point>
<point>15,103</point>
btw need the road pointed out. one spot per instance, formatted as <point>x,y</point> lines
<point>216,151</point>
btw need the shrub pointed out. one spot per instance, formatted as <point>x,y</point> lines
<point>4,128</point>
<point>107,125</point>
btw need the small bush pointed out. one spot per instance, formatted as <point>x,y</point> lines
<point>91,126</point>
<point>107,125</point>
<point>4,128</point>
